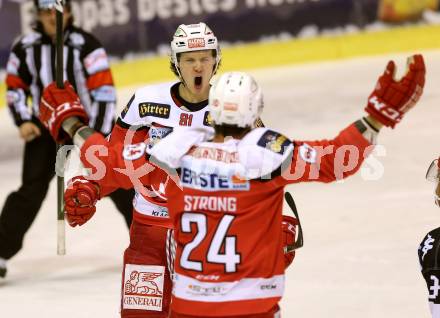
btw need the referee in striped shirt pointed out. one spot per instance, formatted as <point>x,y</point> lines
<point>30,68</point>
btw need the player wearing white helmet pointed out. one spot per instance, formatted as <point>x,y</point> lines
<point>429,248</point>
<point>155,110</point>
<point>228,202</point>
<point>230,106</point>
<point>194,38</point>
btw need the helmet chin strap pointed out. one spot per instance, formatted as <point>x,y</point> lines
<point>176,65</point>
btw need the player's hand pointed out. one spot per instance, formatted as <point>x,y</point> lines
<point>56,106</point>
<point>392,98</point>
<point>29,131</point>
<point>289,225</point>
<point>80,199</point>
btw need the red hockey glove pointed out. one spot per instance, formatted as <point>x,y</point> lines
<point>289,225</point>
<point>56,106</point>
<point>80,199</point>
<point>391,99</point>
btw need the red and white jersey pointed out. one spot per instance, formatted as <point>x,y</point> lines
<point>225,205</point>
<point>151,114</point>
<point>227,214</point>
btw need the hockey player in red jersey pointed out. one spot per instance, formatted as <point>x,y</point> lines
<point>152,113</point>
<point>229,200</point>
<point>387,104</point>
<point>155,110</point>
<point>428,252</point>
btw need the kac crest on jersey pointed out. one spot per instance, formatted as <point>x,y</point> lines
<point>274,141</point>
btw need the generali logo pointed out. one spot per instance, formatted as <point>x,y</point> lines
<point>143,287</point>
<point>196,43</point>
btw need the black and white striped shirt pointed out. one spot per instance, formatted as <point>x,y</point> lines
<point>31,67</point>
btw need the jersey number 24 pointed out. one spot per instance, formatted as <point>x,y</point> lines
<point>228,257</point>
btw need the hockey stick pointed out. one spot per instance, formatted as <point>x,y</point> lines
<point>299,242</point>
<point>59,69</point>
<point>61,228</point>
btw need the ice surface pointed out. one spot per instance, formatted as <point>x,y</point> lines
<point>361,236</point>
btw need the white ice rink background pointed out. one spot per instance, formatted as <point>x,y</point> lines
<point>361,236</point>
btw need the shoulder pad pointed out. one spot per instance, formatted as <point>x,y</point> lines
<point>262,151</point>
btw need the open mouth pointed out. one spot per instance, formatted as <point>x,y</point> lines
<point>198,82</point>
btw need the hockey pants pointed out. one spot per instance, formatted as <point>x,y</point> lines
<point>146,279</point>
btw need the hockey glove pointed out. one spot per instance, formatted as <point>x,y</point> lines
<point>391,99</point>
<point>289,225</point>
<point>56,106</point>
<point>80,199</point>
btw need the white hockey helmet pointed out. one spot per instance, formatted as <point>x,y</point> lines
<point>194,37</point>
<point>235,99</point>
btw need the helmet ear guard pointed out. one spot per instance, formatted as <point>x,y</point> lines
<point>235,99</point>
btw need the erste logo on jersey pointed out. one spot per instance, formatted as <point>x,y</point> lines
<point>154,109</point>
<point>274,141</point>
<point>212,181</point>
